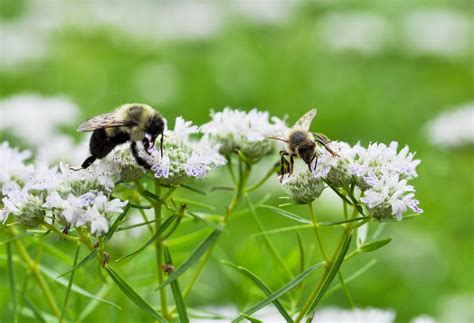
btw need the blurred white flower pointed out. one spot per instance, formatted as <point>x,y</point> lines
<point>269,12</point>
<point>244,131</point>
<point>439,32</point>
<point>453,128</point>
<point>13,169</point>
<point>367,315</point>
<point>35,119</point>
<point>422,319</point>
<point>353,31</point>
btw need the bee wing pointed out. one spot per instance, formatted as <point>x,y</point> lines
<point>305,121</point>
<point>107,120</point>
<point>281,135</point>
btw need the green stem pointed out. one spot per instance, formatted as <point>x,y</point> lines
<point>346,290</point>
<point>244,174</point>
<point>71,279</point>
<point>329,265</point>
<point>316,231</point>
<point>34,268</point>
<point>159,251</point>
<point>268,242</point>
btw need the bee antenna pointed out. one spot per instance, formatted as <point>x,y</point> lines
<point>161,144</point>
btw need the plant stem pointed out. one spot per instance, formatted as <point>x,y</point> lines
<point>159,251</point>
<point>329,265</point>
<point>244,174</point>
<point>316,231</point>
<point>268,242</point>
<point>346,290</point>
<point>34,268</point>
<point>71,279</point>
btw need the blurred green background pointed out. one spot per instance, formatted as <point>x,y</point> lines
<point>358,62</point>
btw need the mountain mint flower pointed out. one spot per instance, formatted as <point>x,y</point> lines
<point>13,170</point>
<point>357,315</point>
<point>185,158</point>
<point>243,131</point>
<point>303,187</point>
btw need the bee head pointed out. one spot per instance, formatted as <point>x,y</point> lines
<point>306,151</point>
<point>155,127</point>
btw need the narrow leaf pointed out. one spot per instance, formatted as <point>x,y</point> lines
<point>332,273</point>
<point>193,203</point>
<point>195,256</point>
<point>301,250</point>
<point>344,221</point>
<point>36,312</point>
<point>287,214</point>
<point>62,281</point>
<point>152,239</point>
<point>133,295</point>
<point>133,226</point>
<point>11,280</point>
<point>251,318</point>
<point>374,245</point>
<point>352,277</point>
<point>81,263</point>
<point>266,290</point>
<point>282,291</point>
<point>69,286</point>
<point>116,224</point>
<point>280,230</point>
<point>92,305</point>
<point>140,207</point>
<point>178,297</point>
<point>193,189</point>
<point>203,219</point>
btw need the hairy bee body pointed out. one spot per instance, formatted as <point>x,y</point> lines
<point>129,123</point>
<point>297,138</point>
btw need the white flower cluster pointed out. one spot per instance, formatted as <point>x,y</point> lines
<point>183,157</point>
<point>33,193</point>
<point>244,131</point>
<point>357,315</point>
<point>380,173</point>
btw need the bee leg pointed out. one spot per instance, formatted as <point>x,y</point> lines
<point>87,162</point>
<point>323,140</point>
<point>315,159</point>
<point>284,165</point>
<point>292,163</point>
<point>161,144</point>
<point>146,145</point>
<point>140,161</point>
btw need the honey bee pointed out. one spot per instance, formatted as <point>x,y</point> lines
<point>300,142</point>
<point>132,122</point>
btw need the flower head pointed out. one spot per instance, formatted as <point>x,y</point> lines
<point>243,131</point>
<point>184,157</point>
<point>13,167</point>
<point>303,187</point>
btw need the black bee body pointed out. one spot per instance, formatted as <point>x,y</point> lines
<point>131,122</point>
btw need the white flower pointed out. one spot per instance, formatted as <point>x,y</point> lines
<point>422,319</point>
<point>23,205</point>
<point>13,170</point>
<point>368,315</point>
<point>438,32</point>
<point>35,119</point>
<point>244,131</point>
<point>303,186</point>
<point>355,31</point>
<point>184,157</point>
<point>453,128</point>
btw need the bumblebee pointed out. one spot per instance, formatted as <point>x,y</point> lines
<point>132,122</point>
<point>300,142</point>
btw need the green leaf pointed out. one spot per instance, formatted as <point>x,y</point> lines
<point>62,281</point>
<point>203,219</point>
<point>178,297</point>
<point>374,245</point>
<point>133,226</point>
<point>344,221</point>
<point>93,304</point>
<point>332,273</point>
<point>83,262</point>
<point>69,286</point>
<point>195,256</point>
<point>192,189</point>
<point>266,290</point>
<point>353,276</point>
<point>193,203</point>
<point>152,239</point>
<point>11,280</point>
<point>116,224</point>
<point>250,318</point>
<point>287,214</point>
<point>282,291</point>
<point>140,207</point>
<point>301,250</point>
<point>139,301</point>
<point>280,230</point>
